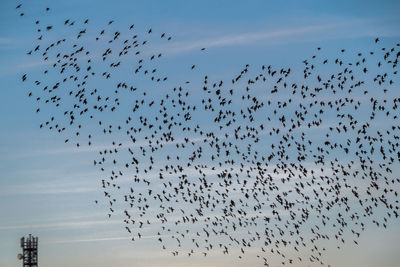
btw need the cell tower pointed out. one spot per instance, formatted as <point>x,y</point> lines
<point>29,254</point>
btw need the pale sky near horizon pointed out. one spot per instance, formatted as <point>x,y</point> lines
<point>48,188</point>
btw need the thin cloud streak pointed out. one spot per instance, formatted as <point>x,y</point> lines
<point>282,35</point>
<point>48,188</point>
<point>249,38</point>
<point>7,41</point>
<point>88,240</point>
<point>252,38</point>
<point>102,239</point>
<point>228,40</point>
<point>63,225</point>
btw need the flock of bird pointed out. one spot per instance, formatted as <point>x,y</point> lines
<point>274,162</point>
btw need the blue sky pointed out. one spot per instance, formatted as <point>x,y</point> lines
<point>48,188</point>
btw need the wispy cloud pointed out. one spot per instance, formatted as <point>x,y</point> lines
<point>102,239</point>
<point>6,41</point>
<point>349,28</point>
<point>272,36</point>
<point>60,225</point>
<point>247,38</point>
<point>89,240</point>
<point>48,188</point>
